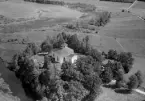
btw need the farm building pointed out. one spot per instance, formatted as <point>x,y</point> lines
<point>58,56</point>
<point>62,54</point>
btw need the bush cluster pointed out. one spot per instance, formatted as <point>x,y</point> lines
<point>79,6</point>
<point>82,7</point>
<point>91,23</point>
<point>5,90</point>
<point>100,18</point>
<point>53,2</point>
<point>123,1</point>
<point>81,46</point>
<point>125,58</point>
<point>117,66</point>
<point>135,80</point>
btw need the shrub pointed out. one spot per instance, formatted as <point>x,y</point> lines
<point>54,2</point>
<point>46,46</point>
<point>75,91</point>
<point>126,60</point>
<point>112,54</point>
<point>82,7</point>
<point>123,1</point>
<point>83,47</point>
<point>86,71</point>
<point>100,18</point>
<point>133,82</point>
<point>32,49</point>
<point>58,41</point>
<point>106,75</point>
<point>139,77</point>
<point>118,71</point>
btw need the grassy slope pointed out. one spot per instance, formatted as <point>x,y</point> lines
<point>7,97</point>
<point>109,6</point>
<point>138,9</point>
<point>129,30</point>
<point>5,91</point>
<point>110,95</point>
<point>27,9</point>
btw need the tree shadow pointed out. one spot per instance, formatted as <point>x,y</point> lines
<point>110,86</point>
<point>123,91</point>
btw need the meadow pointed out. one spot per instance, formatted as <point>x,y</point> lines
<point>124,27</point>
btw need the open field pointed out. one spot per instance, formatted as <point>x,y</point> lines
<point>7,50</point>
<point>138,9</point>
<point>125,25</point>
<point>36,24</point>
<point>139,5</point>
<point>33,16</point>
<point>139,64</point>
<point>103,5</point>
<point>128,30</point>
<point>30,10</point>
<point>136,46</point>
<point>110,95</point>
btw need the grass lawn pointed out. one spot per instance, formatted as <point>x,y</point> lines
<point>110,95</point>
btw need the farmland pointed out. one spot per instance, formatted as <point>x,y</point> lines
<point>23,22</point>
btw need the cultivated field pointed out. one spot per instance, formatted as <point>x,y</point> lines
<point>39,20</point>
<point>138,9</point>
<point>33,10</point>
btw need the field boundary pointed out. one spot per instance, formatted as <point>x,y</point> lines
<point>139,91</point>
<point>140,17</point>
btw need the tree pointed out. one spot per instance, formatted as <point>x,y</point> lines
<point>31,49</point>
<point>47,62</point>
<point>126,60</point>
<point>58,41</point>
<point>70,73</point>
<point>95,54</point>
<point>118,71</point>
<point>44,78</point>
<point>139,77</point>
<point>74,43</point>
<point>87,66</point>
<point>65,36</point>
<point>133,82</point>
<point>106,75</point>
<point>112,54</point>
<point>46,46</point>
<point>120,82</point>
<point>75,91</point>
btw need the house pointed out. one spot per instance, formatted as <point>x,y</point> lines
<point>63,54</point>
<point>72,58</point>
<point>58,56</point>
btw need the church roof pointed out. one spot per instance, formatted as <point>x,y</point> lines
<point>66,51</point>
